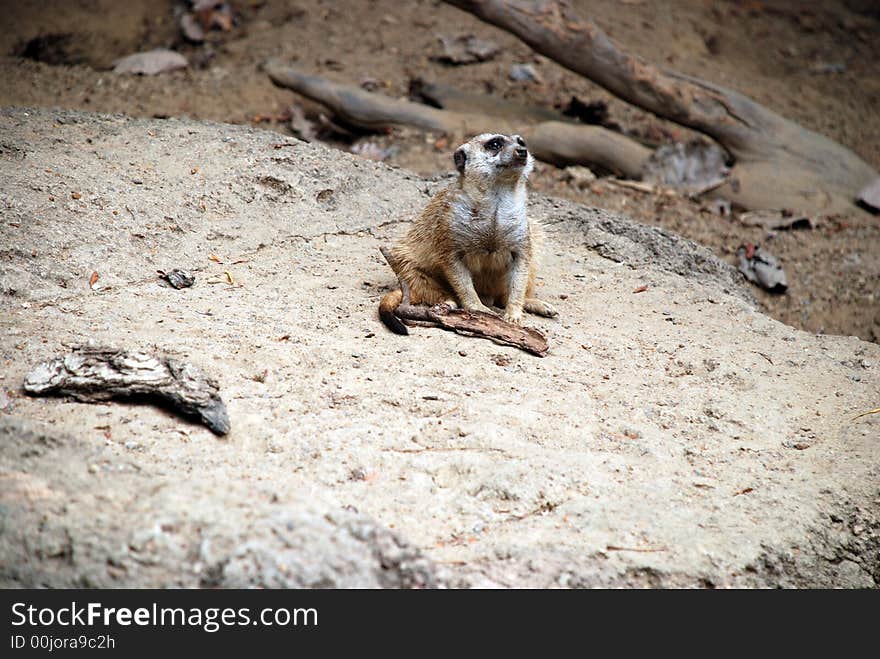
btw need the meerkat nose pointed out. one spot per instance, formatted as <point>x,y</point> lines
<point>522,153</point>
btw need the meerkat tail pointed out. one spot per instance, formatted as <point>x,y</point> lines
<point>386,312</point>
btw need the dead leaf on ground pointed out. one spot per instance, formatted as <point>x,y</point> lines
<point>373,151</point>
<point>777,220</point>
<point>191,28</point>
<point>761,268</point>
<point>270,116</point>
<point>874,411</point>
<point>466,49</point>
<point>206,15</point>
<point>302,126</point>
<point>94,280</point>
<point>695,167</point>
<point>150,62</point>
<point>178,278</point>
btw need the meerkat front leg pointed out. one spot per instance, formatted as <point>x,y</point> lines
<point>533,304</point>
<point>462,283</point>
<point>518,282</point>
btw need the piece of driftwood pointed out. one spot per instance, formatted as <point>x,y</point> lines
<point>477,323</point>
<point>362,108</point>
<point>557,142</point>
<point>469,323</point>
<point>561,143</point>
<point>777,163</point>
<point>91,374</point>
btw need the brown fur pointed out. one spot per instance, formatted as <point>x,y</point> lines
<point>443,261</point>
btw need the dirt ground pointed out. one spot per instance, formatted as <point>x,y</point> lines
<point>673,436</point>
<point>817,63</point>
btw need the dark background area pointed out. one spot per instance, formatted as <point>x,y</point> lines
<point>816,63</point>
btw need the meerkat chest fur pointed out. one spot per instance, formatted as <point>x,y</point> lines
<point>488,223</point>
<point>491,225</point>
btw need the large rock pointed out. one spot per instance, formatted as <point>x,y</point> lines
<point>673,437</point>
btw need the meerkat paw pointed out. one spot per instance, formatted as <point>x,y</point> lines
<point>513,316</point>
<point>452,304</point>
<point>479,306</point>
<point>540,308</point>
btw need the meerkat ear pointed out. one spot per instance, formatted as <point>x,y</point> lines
<point>460,159</point>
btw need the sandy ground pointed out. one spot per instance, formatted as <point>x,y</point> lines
<point>817,63</point>
<point>672,437</point>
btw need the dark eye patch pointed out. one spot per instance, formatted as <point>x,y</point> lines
<point>494,144</point>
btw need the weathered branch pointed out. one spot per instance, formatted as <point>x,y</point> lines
<point>557,142</point>
<point>92,374</point>
<point>566,144</point>
<point>778,162</point>
<point>369,110</point>
<point>477,323</point>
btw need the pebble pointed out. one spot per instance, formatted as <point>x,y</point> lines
<point>524,73</point>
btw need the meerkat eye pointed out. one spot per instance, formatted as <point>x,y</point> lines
<point>494,144</point>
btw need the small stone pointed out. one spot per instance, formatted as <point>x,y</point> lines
<point>524,73</point>
<point>178,278</point>
<point>579,176</point>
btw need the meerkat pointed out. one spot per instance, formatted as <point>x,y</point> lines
<point>474,246</point>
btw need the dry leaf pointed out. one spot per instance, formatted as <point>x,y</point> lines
<point>874,411</point>
<point>150,62</point>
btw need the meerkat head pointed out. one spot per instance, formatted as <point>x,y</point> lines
<point>494,158</point>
